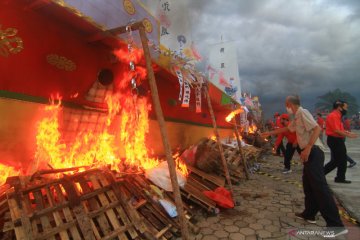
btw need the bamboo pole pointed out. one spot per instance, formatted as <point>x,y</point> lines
<point>164,136</point>
<point>246,170</point>
<point>226,169</point>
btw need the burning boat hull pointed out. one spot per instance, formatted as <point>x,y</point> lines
<point>48,49</point>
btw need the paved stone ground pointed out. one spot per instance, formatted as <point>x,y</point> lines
<point>267,206</point>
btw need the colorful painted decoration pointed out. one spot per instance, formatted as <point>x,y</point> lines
<point>129,7</point>
<point>9,43</point>
<point>61,62</point>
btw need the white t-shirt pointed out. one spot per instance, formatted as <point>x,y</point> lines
<point>304,124</point>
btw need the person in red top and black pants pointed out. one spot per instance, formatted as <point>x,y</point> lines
<point>291,145</point>
<point>336,141</point>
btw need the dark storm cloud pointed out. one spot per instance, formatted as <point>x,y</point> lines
<point>304,47</point>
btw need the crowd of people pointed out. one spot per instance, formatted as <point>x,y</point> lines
<point>306,135</point>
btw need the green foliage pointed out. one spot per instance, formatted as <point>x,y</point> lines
<point>326,101</point>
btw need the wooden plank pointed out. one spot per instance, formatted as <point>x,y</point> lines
<point>217,180</point>
<point>104,201</point>
<point>94,205</point>
<point>15,214</point>
<point>193,191</point>
<point>46,226</point>
<point>84,222</point>
<point>57,217</point>
<point>67,213</point>
<point>120,210</point>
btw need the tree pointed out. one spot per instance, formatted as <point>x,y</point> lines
<point>325,102</point>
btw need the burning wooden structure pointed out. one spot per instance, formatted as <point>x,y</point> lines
<point>94,204</point>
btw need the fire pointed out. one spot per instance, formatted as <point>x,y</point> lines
<point>134,127</point>
<point>90,149</point>
<point>232,114</point>
<point>252,128</point>
<point>213,137</point>
<point>104,148</point>
<point>7,171</point>
<point>180,165</point>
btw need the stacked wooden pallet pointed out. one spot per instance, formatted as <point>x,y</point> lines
<point>88,205</point>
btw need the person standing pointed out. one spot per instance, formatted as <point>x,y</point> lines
<point>336,141</point>
<point>318,196</point>
<point>279,146</point>
<point>291,144</point>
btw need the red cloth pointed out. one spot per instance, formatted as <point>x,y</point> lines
<point>291,136</point>
<point>321,123</point>
<point>333,123</point>
<point>221,196</point>
<point>278,122</point>
<point>347,124</point>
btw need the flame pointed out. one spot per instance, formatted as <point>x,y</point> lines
<point>180,165</point>
<point>91,149</point>
<point>233,113</point>
<point>134,127</point>
<point>252,128</point>
<point>7,171</point>
<point>213,137</point>
<point>103,149</point>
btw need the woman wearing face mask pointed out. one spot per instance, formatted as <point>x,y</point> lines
<point>336,141</point>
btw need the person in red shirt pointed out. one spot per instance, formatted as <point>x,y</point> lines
<point>279,146</point>
<point>321,123</point>
<point>336,141</point>
<point>347,124</point>
<point>291,145</point>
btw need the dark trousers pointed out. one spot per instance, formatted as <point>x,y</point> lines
<point>317,193</point>
<point>348,158</point>
<point>338,160</point>
<point>280,149</point>
<point>289,153</point>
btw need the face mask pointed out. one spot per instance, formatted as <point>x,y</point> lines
<point>343,112</point>
<point>289,110</point>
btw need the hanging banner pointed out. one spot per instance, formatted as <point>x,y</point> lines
<point>181,81</point>
<point>198,99</point>
<point>187,92</point>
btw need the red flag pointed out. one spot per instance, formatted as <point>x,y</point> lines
<point>222,80</point>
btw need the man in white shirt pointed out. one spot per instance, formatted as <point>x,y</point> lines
<point>318,196</point>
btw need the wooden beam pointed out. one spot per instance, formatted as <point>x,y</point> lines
<point>164,135</point>
<point>226,169</point>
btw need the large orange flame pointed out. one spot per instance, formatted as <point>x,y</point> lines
<point>100,149</point>
<point>233,113</point>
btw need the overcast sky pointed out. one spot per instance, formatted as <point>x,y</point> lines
<point>305,47</point>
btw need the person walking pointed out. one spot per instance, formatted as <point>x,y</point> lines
<point>291,144</point>
<point>318,196</point>
<point>347,127</point>
<point>279,146</point>
<point>336,141</point>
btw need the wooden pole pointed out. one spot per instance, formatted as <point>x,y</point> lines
<point>246,170</point>
<point>226,169</point>
<point>164,136</point>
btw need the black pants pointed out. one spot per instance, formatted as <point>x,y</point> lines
<point>289,153</point>
<point>280,149</point>
<point>317,193</point>
<point>338,160</point>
